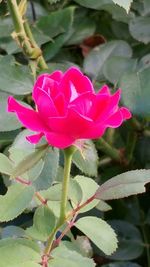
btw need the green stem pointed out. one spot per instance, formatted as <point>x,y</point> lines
<point>131,143</point>
<point>109,150</point>
<point>146,242</point>
<point>68,153</point>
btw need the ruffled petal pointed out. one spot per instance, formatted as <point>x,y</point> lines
<point>96,131</point>
<point>83,103</point>
<point>73,124</point>
<point>104,90</point>
<point>60,104</point>
<point>108,107</point>
<point>75,83</point>
<point>28,117</point>
<point>59,140</point>
<point>45,105</point>
<point>35,138</point>
<point>47,84</point>
<point>115,120</point>
<point>99,107</point>
<point>125,113</point>
<point>56,75</point>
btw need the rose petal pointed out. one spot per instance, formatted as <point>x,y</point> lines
<point>60,104</point>
<point>59,140</point>
<point>96,131</point>
<point>73,124</point>
<point>45,105</point>
<point>108,107</point>
<point>46,84</point>
<point>125,113</point>
<point>35,138</point>
<point>104,90</point>
<point>56,75</point>
<point>115,120</point>
<point>28,117</point>
<point>75,83</point>
<point>83,103</point>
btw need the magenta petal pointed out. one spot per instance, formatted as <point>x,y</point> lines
<point>83,103</point>
<point>74,83</point>
<point>47,84</point>
<point>56,75</point>
<point>125,113</point>
<point>59,140</point>
<point>45,105</point>
<point>60,104</point>
<point>108,107</point>
<point>104,90</point>
<point>96,131</point>
<point>35,138</point>
<point>99,107</point>
<point>115,120</point>
<point>73,124</point>
<point>28,117</point>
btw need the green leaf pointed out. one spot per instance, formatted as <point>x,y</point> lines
<point>115,67</point>
<point>94,62</point>
<point>7,138</point>
<point>86,159</point>
<point>28,253</point>
<point>103,206</point>
<point>49,171</point>
<point>139,29</point>
<point>135,92</point>
<point>62,21</point>
<point>8,121</point>
<point>89,187</point>
<point>130,244</point>
<point>100,233</point>
<point>146,4</point>
<point>63,257</point>
<point>83,27</point>
<point>54,192</point>
<point>124,185</point>
<point>14,79</point>
<point>57,22</point>
<point>122,264</point>
<point>17,155</point>
<point>5,164</point>
<point>95,4</point>
<point>75,192</point>
<point>29,161</point>
<point>12,231</point>
<point>6,27</point>
<point>15,201</point>
<point>26,264</point>
<point>81,244</point>
<point>126,4</point>
<point>43,224</point>
<point>52,48</point>
<point>116,11</point>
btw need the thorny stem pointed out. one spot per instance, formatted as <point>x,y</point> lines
<point>24,35</point>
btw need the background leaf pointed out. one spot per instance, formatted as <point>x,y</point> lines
<point>124,185</point>
<point>99,232</point>
<point>14,202</point>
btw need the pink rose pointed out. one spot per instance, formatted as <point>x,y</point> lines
<point>68,109</point>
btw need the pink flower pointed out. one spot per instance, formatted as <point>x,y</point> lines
<point>68,109</point>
